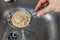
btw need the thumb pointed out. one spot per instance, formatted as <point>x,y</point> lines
<point>44,11</point>
<point>39,4</point>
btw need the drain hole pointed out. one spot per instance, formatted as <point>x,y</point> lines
<point>12,36</point>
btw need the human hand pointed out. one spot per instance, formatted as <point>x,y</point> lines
<point>50,5</point>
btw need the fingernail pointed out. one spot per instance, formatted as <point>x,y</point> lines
<point>35,10</point>
<point>38,15</point>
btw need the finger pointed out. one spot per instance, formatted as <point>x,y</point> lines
<point>44,11</point>
<point>44,5</point>
<point>39,4</point>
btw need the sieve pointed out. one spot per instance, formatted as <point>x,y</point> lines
<point>30,12</point>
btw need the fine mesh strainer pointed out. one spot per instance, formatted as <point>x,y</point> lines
<point>31,14</point>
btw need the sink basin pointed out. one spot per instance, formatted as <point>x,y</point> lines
<point>42,28</point>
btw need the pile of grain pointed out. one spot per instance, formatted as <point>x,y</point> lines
<point>20,19</point>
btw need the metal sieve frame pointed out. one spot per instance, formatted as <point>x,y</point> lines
<point>30,12</point>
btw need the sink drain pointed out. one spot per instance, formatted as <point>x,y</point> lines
<point>12,36</point>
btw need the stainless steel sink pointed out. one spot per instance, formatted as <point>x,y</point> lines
<point>47,26</point>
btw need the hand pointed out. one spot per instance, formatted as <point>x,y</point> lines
<point>50,5</point>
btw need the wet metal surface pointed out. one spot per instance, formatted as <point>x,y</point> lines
<point>39,29</point>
